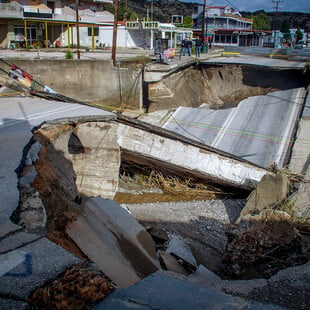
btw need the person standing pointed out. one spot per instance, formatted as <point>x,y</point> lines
<point>184,46</point>
<point>189,45</point>
<point>198,46</point>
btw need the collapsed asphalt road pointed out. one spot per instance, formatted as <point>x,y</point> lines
<point>30,250</point>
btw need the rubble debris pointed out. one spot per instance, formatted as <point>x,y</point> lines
<point>271,190</point>
<point>80,287</point>
<point>205,278</point>
<point>289,288</point>
<point>161,290</point>
<point>264,245</point>
<point>181,251</point>
<point>299,203</point>
<point>159,235</point>
<point>169,262</point>
<point>115,241</point>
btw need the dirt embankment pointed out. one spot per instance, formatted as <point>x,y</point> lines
<point>219,86</point>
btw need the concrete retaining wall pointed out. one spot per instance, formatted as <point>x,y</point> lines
<point>88,80</point>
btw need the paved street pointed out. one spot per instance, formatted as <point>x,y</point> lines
<point>259,129</point>
<point>28,260</point>
<point>18,116</point>
<point>257,61</point>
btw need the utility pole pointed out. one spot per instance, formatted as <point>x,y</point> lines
<point>203,21</point>
<point>276,7</point>
<point>77,28</point>
<point>114,43</point>
<point>204,27</point>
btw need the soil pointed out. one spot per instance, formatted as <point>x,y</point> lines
<point>80,287</point>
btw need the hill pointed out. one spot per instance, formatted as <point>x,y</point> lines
<point>293,19</point>
<point>162,10</point>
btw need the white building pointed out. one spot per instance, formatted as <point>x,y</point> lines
<point>224,26</point>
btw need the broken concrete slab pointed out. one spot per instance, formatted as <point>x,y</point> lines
<point>17,240</point>
<point>170,263</point>
<point>300,160</point>
<point>9,304</point>
<point>202,224</point>
<point>180,250</point>
<point>204,277</point>
<point>271,190</point>
<point>142,143</point>
<point>159,235</point>
<point>31,266</point>
<point>289,288</point>
<point>301,202</point>
<point>31,213</point>
<point>160,291</point>
<point>7,227</point>
<point>164,148</point>
<point>115,241</point>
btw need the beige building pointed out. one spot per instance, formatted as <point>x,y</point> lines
<point>25,23</point>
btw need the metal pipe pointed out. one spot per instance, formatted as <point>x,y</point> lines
<point>77,28</point>
<point>120,82</point>
<point>46,36</point>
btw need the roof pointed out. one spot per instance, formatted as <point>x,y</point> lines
<point>38,8</point>
<point>237,17</point>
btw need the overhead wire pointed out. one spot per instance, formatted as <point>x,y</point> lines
<point>184,125</point>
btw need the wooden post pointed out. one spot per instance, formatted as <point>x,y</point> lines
<point>115,32</point>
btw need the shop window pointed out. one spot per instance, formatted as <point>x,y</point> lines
<point>96,31</point>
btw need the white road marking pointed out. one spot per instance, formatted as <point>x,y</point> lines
<point>224,128</point>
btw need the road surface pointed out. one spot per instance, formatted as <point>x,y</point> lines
<point>257,61</point>
<point>259,130</point>
<point>18,116</point>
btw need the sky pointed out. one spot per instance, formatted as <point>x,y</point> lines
<point>266,5</point>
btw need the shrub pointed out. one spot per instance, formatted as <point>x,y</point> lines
<point>69,54</point>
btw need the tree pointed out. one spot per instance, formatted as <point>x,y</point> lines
<point>187,22</point>
<point>125,13</point>
<point>285,29</point>
<point>299,35</point>
<point>261,22</point>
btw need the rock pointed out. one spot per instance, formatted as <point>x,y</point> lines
<point>271,189</point>
<point>31,212</point>
<point>289,288</point>
<point>301,202</point>
<point>162,291</point>
<point>170,263</point>
<point>159,235</point>
<point>115,241</point>
<point>180,250</point>
<point>264,244</point>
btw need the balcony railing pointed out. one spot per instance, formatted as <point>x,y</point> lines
<point>38,11</point>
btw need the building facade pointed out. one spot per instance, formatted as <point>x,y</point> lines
<point>224,26</point>
<point>146,33</point>
<point>25,23</point>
